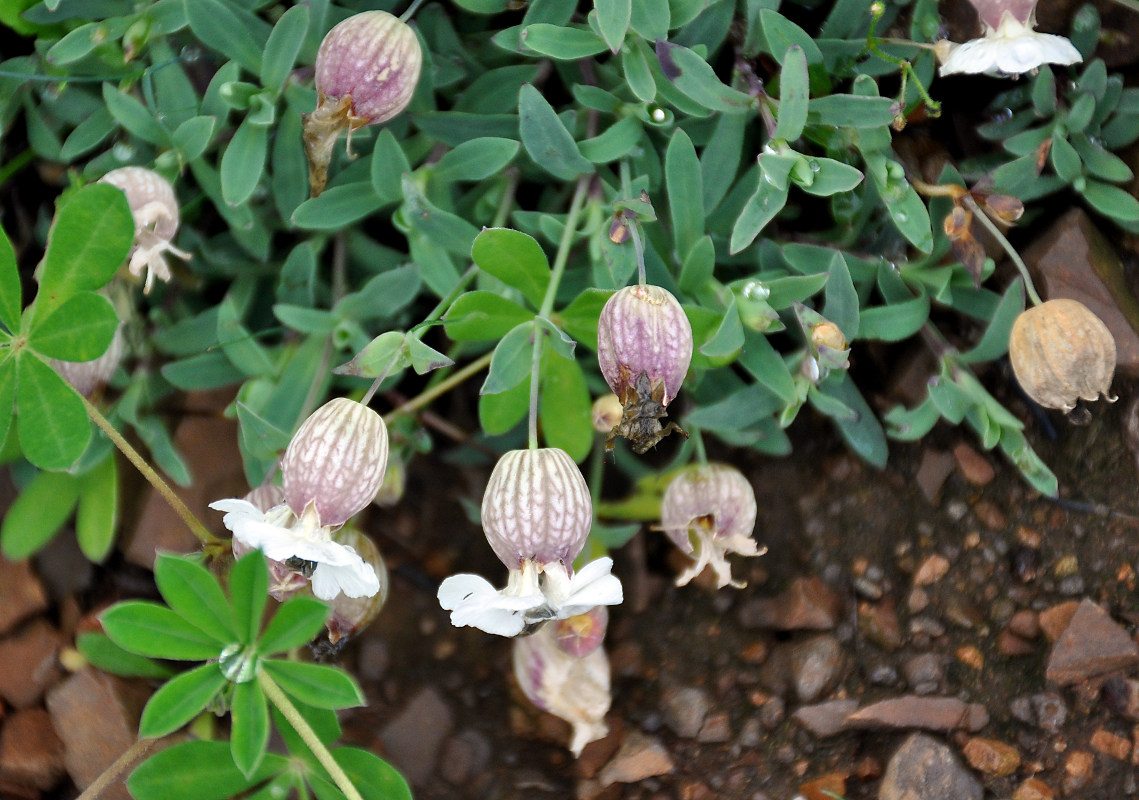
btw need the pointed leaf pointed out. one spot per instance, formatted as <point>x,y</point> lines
<point>104,654</point>
<point>546,139</point>
<point>613,17</point>
<point>248,592</point>
<point>283,46</point>
<point>38,513</point>
<point>180,700</point>
<point>243,161</point>
<point>314,684</point>
<point>150,629</point>
<point>196,770</point>
<point>515,259</point>
<point>249,733</point>
<point>685,193</point>
<point>193,593</point>
<point>221,29</point>
<point>794,95</point>
<point>297,622</point>
<point>511,362</point>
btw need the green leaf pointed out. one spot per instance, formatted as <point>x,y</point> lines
<point>559,340</point>
<point>515,259</point>
<point>150,629</point>
<point>638,75</point>
<point>283,46</point>
<point>1065,160</point>
<point>498,413</point>
<point>194,594</point>
<point>196,770</point>
<point>104,654</point>
<point>193,136</point>
<point>243,161</point>
<point>1044,92</point>
<point>376,778</point>
<point>851,111</point>
<point>384,355</point>
<point>616,141</point>
<point>221,29</point>
<point>338,207</point>
<point>685,193</point>
<point>794,95</point>
<point>134,117</point>
<point>511,361</point>
<point>863,433</point>
<point>780,34</point>
<point>766,366</point>
<point>248,592</point>
<point>699,266</point>
<point>1099,162</point>
<point>894,322</point>
<point>579,318</point>
<point>729,335</point>
<point>692,75</point>
<point>613,18</point>
<point>249,733</point>
<point>210,370</point>
<point>88,242</point>
<point>10,295</point>
<point>52,423</point>
<point>546,139</point>
<point>565,407</point>
<point>562,43</point>
<point>475,160</point>
<point>1111,201</point>
<point>381,297</point>
<point>759,210</point>
<point>841,305</point>
<point>450,231</point>
<point>994,342</point>
<point>739,410</point>
<point>425,359</point>
<point>910,425</point>
<point>297,622</point>
<point>830,177</point>
<point>483,316</point>
<point>389,163</point>
<point>180,700</point>
<point>315,685</point>
<point>38,513</point>
<point>98,512</point>
<point>81,329</point>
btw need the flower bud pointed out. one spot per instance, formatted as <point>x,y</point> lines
<point>713,505</point>
<point>155,211</point>
<point>607,413</point>
<point>581,634</point>
<point>367,69</point>
<point>350,615</point>
<point>536,507</point>
<point>336,461</point>
<point>86,377</point>
<point>1062,352</point>
<point>643,329</point>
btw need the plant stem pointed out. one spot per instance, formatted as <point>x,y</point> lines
<point>556,273</point>
<point>155,480</point>
<point>132,754</point>
<point>405,16</point>
<point>301,726</point>
<point>698,443</point>
<point>444,386</point>
<point>907,68</point>
<point>15,164</point>
<point>978,213</point>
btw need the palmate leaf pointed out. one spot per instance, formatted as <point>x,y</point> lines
<point>81,329</point>
<point>38,513</point>
<point>180,700</point>
<point>197,770</point>
<point>194,594</point>
<point>150,629</point>
<point>315,684</point>
<point>297,622</point>
<point>248,592</point>
<point>10,299</point>
<point>52,423</point>
<point>249,734</point>
<point>101,652</point>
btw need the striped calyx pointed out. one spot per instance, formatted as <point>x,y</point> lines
<point>991,12</point>
<point>716,497</point>
<point>643,329</point>
<point>336,461</point>
<point>536,507</point>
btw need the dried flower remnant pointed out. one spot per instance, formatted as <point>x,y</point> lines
<point>367,69</point>
<point>155,211</point>
<point>568,682</point>
<point>1061,353</point>
<point>1010,46</point>
<point>536,514</point>
<point>644,347</point>
<point>713,506</point>
<point>332,469</point>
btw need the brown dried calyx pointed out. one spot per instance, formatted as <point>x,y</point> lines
<point>640,421</point>
<point>1061,353</point>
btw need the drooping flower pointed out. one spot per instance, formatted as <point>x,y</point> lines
<point>644,347</point>
<point>709,511</point>
<point>155,211</point>
<point>1010,45</point>
<point>536,514</point>
<point>332,469</point>
<point>570,682</point>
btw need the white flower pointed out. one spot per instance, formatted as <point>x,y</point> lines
<point>534,594</point>
<point>281,536</point>
<point>1012,48</point>
<point>712,550</point>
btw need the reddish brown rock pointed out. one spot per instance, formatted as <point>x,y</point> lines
<point>827,787</point>
<point>31,755</point>
<point>1092,645</point>
<point>96,715</point>
<point>1054,620</point>
<point>413,738</point>
<point>879,623</point>
<point>931,570</point>
<point>992,757</point>
<point>21,594</point>
<point>1078,769</point>
<point>807,604</point>
<point>1106,742</point>
<point>990,515</point>
<point>935,467</point>
<point>639,757</point>
<point>1009,644</point>
<point>920,712</point>
<point>30,663</point>
<point>973,466</point>
<point>1025,624</point>
<point>1033,789</point>
<point>825,719</point>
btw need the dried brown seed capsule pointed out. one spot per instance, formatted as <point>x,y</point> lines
<point>367,69</point>
<point>1061,352</point>
<point>336,461</point>
<point>536,507</point>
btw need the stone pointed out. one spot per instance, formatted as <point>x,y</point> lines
<point>973,466</point>
<point>31,663</point>
<point>1009,644</point>
<point>1121,695</point>
<point>772,713</point>
<point>815,667</point>
<point>465,756</point>
<point>639,757</point>
<point>31,754</point>
<point>991,757</point>
<point>931,570</point>
<point>1091,645</point>
<point>924,673</point>
<point>807,604</point>
<point>1033,789</point>
<point>878,623</point>
<point>412,739</point>
<point>1054,620</point>
<point>925,769</point>
<point>1078,768</point>
<point>1049,711</point>
<point>22,594</point>
<point>717,728</point>
<point>990,515</point>
<point>1108,743</point>
<point>96,715</point>
<point>935,467</point>
<point>1073,259</point>
<point>922,713</point>
<point>684,709</point>
<point>1025,624</point>
<point>827,787</point>
<point>825,719</point>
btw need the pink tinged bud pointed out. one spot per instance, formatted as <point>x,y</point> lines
<point>155,211</point>
<point>350,615</point>
<point>991,11</point>
<point>643,329</point>
<point>87,377</point>
<point>714,506</point>
<point>536,508</point>
<point>581,634</point>
<point>336,461</point>
<point>367,69</point>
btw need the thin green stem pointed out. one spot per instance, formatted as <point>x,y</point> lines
<point>15,164</point>
<point>132,754</point>
<point>697,438</point>
<point>368,395</point>
<point>192,522</point>
<point>903,64</point>
<point>405,16</point>
<point>301,726</point>
<point>444,386</point>
<point>978,213</point>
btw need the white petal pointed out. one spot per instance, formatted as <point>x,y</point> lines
<point>592,586</point>
<point>458,588</point>
<point>473,601</point>
<point>356,579</point>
